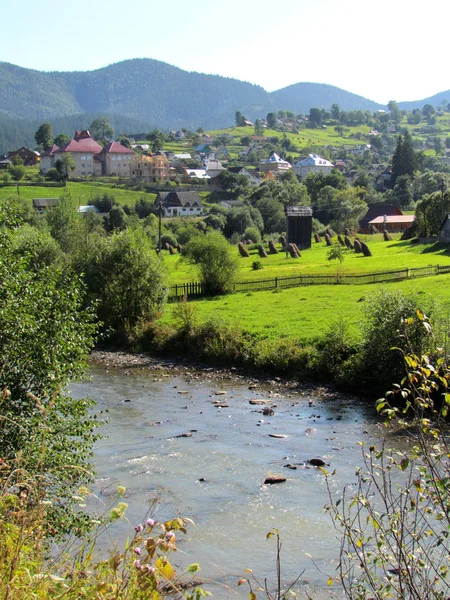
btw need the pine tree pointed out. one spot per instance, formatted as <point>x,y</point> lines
<point>404,160</point>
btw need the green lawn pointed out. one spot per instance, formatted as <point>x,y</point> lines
<point>308,312</point>
<point>386,256</point>
<point>82,191</point>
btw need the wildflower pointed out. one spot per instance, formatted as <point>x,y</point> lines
<point>121,490</point>
<point>137,564</point>
<point>150,522</point>
<point>170,536</point>
<point>138,528</point>
<point>137,551</point>
<point>150,569</point>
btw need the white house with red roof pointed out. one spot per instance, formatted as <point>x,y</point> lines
<point>89,157</point>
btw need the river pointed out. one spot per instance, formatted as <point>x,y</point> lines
<point>215,475</point>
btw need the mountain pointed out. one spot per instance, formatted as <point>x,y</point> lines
<point>154,92</point>
<point>300,97</point>
<point>436,100</point>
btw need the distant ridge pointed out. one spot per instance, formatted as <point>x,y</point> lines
<point>155,92</point>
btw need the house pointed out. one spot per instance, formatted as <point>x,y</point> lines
<point>213,168</point>
<point>275,164</point>
<point>384,181</point>
<point>44,204</point>
<point>393,223</point>
<point>85,153</point>
<point>312,164</point>
<point>229,204</point>
<point>89,157</point>
<point>195,174</point>
<point>180,204</point>
<point>203,149</point>
<point>29,157</point>
<point>149,168</point>
<point>5,163</point>
<point>378,210</point>
<point>116,159</point>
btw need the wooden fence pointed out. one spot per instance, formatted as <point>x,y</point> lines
<point>199,289</point>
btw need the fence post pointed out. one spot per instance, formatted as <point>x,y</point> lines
<point>276,282</point>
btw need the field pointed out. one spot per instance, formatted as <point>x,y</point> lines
<point>83,192</point>
<point>386,256</point>
<point>307,312</point>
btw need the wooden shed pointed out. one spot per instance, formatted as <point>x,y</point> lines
<point>299,226</point>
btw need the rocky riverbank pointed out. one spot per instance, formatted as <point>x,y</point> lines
<point>127,362</point>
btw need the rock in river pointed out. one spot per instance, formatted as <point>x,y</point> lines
<point>272,478</point>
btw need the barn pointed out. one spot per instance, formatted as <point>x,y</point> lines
<point>299,226</point>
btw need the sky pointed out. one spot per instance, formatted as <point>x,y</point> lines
<point>383,50</point>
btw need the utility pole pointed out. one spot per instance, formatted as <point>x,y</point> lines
<point>160,210</point>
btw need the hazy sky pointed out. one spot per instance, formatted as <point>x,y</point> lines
<point>383,50</point>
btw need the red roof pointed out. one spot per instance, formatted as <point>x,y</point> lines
<point>116,148</point>
<point>82,142</point>
<point>51,151</point>
<point>393,219</point>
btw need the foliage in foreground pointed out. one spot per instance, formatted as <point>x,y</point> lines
<point>45,337</point>
<point>140,570</point>
<point>394,524</point>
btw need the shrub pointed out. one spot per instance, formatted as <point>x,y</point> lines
<point>386,335</point>
<point>257,265</point>
<point>125,278</point>
<point>216,265</point>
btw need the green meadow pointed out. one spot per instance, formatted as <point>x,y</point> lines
<point>386,256</point>
<point>82,191</point>
<point>308,312</point>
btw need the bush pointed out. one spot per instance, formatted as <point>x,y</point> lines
<point>125,279</point>
<point>216,265</point>
<point>386,337</point>
<point>252,233</point>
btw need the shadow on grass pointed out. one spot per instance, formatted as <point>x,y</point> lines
<point>437,248</point>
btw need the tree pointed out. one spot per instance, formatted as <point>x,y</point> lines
<point>62,222</point>
<point>404,160</point>
<point>62,139</point>
<point>315,117</point>
<point>17,172</point>
<point>335,112</point>
<point>101,129</point>
<point>402,193</point>
<point>429,213</point>
<point>43,136</point>
<point>239,119</point>
<point>158,140</point>
<point>125,278</point>
<point>259,129</point>
<point>439,147</point>
<point>428,111</point>
<point>217,266</point>
<point>65,165</point>
<point>45,337</point>
<point>271,119</point>
<point>395,113</point>
<point>117,219</point>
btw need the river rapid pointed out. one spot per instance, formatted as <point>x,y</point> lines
<point>214,473</point>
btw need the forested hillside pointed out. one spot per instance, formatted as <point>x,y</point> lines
<point>157,93</point>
